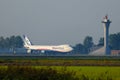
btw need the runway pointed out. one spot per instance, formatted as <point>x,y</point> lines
<point>38,56</point>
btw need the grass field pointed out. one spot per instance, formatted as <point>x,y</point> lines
<point>59,68</point>
<point>79,72</point>
<point>92,72</point>
<point>95,72</point>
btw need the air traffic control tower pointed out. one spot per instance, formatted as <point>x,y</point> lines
<point>105,50</point>
<point>106,23</point>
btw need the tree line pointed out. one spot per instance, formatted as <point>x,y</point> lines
<point>11,42</point>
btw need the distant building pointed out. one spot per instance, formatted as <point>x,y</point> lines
<point>115,52</point>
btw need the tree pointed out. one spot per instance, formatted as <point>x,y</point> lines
<point>114,41</point>
<point>79,48</point>
<point>11,42</point>
<point>101,42</point>
<point>118,40</point>
<point>2,42</point>
<point>16,42</point>
<point>88,43</point>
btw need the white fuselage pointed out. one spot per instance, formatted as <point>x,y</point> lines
<point>59,48</point>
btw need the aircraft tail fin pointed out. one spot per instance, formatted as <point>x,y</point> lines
<point>26,41</point>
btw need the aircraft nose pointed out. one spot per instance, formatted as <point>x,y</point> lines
<point>71,48</point>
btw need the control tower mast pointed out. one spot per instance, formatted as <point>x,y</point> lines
<point>106,23</point>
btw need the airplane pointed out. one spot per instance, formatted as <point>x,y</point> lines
<point>58,48</point>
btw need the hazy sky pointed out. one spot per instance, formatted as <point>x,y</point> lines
<point>58,21</point>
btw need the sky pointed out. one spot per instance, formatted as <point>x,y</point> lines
<point>52,22</point>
